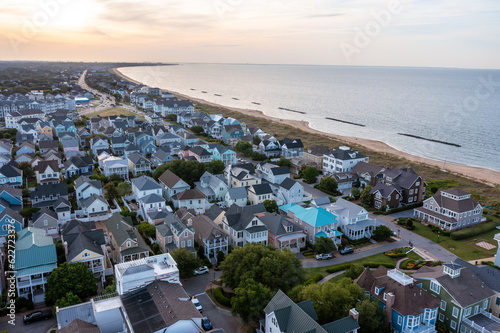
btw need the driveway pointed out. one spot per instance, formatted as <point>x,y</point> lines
<point>37,327</point>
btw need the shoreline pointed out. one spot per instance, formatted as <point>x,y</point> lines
<point>487,176</point>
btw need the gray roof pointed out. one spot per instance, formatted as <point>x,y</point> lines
<point>214,211</point>
<point>91,199</point>
<point>83,311</point>
<point>280,170</point>
<point>48,189</point>
<point>237,193</point>
<point>136,158</point>
<point>152,198</point>
<point>42,211</point>
<point>458,206</point>
<point>144,183</point>
<point>87,182</point>
<point>261,189</point>
<point>385,190</point>
<point>490,275</point>
<point>277,224</point>
<point>288,183</point>
<point>345,155</point>
<point>344,325</point>
<point>87,240</point>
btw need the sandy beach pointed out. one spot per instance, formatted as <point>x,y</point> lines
<point>486,176</point>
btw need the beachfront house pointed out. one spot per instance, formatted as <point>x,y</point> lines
<point>342,159</point>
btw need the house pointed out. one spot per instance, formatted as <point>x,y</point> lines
<point>98,144</point>
<point>191,199</point>
<point>19,159</point>
<point>125,241</point>
<point>78,165</point>
<point>284,315</point>
<point>464,298</point>
<point>10,197</point>
<point>314,155</point>
<point>44,127</point>
<point>71,147</point>
<point>182,315</point>
<point>173,234</point>
<point>118,144</point>
<point>131,148</point>
<point>6,159</point>
<point>53,156</point>
<point>172,184</point>
<point>82,133</point>
<point>386,195</point>
<point>213,238</point>
<point>133,275</point>
<point>161,156</point>
<point>269,148</point>
<point>213,186</point>
<point>84,243</point>
<point>138,163</point>
<point>10,221</point>
<point>282,233</point>
<point>47,195</point>
<point>47,172</point>
<point>11,174</point>
<point>46,219</point>
<point>63,209</point>
<point>112,165</point>
<point>185,214</point>
<point>291,148</point>
<point>243,225</point>
<point>408,307</point>
<point>94,206</point>
<point>200,153</point>
<point>24,137</point>
<point>6,148</point>
<point>411,185</point>
<point>148,194</point>
<point>290,191</point>
<point>85,187</point>
<point>342,159</point>
<point>46,146</point>
<point>316,222</point>
<point>260,192</point>
<point>345,181</point>
<point>25,148</point>
<point>450,209</point>
<point>166,139</point>
<point>273,173</point>
<point>147,148</point>
<point>353,219</point>
<point>231,134</point>
<point>36,257</point>
<point>241,175</point>
<point>226,154</point>
<point>237,196</point>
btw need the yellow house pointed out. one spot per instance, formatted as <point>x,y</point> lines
<point>44,127</point>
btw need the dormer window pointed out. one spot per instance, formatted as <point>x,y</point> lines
<point>385,296</point>
<point>377,291</point>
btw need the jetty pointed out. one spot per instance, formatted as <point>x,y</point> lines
<point>345,121</point>
<point>431,140</point>
<point>290,110</point>
<point>236,99</point>
<point>204,92</point>
<point>217,95</point>
<point>256,103</point>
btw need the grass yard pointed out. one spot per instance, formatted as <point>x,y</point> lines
<point>112,112</point>
<point>466,248</point>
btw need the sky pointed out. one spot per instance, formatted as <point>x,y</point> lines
<point>420,33</point>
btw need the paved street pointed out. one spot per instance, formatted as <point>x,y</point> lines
<point>19,327</point>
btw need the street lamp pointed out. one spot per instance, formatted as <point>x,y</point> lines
<point>439,232</point>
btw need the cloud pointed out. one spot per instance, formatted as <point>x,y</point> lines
<point>220,45</point>
<point>323,15</point>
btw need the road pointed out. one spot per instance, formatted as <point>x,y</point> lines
<point>37,327</point>
<point>220,318</point>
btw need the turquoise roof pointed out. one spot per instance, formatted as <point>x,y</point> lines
<point>313,216</point>
<point>337,233</point>
<point>321,234</point>
<point>33,248</point>
<point>36,270</point>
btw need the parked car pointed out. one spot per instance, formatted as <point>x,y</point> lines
<point>324,256</point>
<point>197,304</point>
<point>207,325</point>
<point>347,250</point>
<point>200,270</point>
<point>36,316</point>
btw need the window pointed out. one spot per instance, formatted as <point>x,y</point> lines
<point>183,244</point>
<point>413,321</point>
<point>476,309</point>
<point>455,312</point>
<point>189,243</point>
<point>497,302</point>
<point>377,291</point>
<point>385,296</point>
<point>441,317</point>
<point>485,304</point>
<point>467,312</point>
<point>170,239</point>
<point>453,324</point>
<point>45,223</point>
<point>128,243</point>
<point>400,320</point>
<point>435,287</point>
<point>443,305</point>
<point>185,233</point>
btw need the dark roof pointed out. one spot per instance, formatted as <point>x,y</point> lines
<point>86,240</point>
<point>80,326</point>
<point>44,210</point>
<point>9,170</point>
<point>385,190</point>
<point>344,325</point>
<point>189,194</point>
<point>277,224</point>
<point>213,212</point>
<point>457,206</point>
<point>43,165</point>
<point>288,183</point>
<point>48,189</point>
<point>345,154</point>
<point>205,227</point>
<point>318,150</point>
<point>79,161</point>
<point>280,170</point>
<point>259,189</point>
<point>489,275</point>
<point>145,183</point>
<point>48,144</point>
<point>291,143</point>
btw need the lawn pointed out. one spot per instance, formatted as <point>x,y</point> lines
<point>466,248</point>
<point>112,112</point>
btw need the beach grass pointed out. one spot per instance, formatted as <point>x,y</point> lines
<point>113,112</point>
<point>486,194</point>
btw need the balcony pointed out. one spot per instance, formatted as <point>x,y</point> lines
<point>420,329</point>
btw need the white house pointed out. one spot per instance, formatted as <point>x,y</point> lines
<point>193,199</point>
<point>213,186</point>
<point>353,219</point>
<point>272,172</point>
<point>290,191</point>
<point>342,159</point>
<point>98,144</point>
<point>145,185</point>
<point>237,196</point>
<point>86,187</point>
<point>172,184</point>
<point>243,226</point>
<point>110,165</point>
<point>95,205</point>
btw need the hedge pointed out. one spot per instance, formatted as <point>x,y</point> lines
<point>219,296</point>
<point>314,279</point>
<point>474,231</point>
<point>338,268</point>
<point>402,209</point>
<point>376,264</point>
<point>405,263</point>
<point>343,267</point>
<point>395,255</point>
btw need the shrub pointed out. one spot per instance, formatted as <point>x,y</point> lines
<point>219,296</point>
<point>376,264</point>
<point>474,231</point>
<point>395,255</point>
<point>338,268</point>
<point>314,279</point>
<point>358,241</point>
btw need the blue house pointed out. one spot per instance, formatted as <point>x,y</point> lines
<point>9,220</point>
<point>78,165</point>
<point>10,174</point>
<point>407,307</point>
<point>232,133</point>
<point>225,154</point>
<point>25,148</point>
<point>144,137</point>
<point>148,148</point>
<point>10,197</point>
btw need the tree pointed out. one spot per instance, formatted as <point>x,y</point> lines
<point>264,264</point>
<point>68,300</point>
<point>365,196</point>
<point>189,171</point>
<point>371,316</point>
<point>243,147</point>
<point>329,185</point>
<point>324,245</point>
<point>309,174</point>
<point>284,162</point>
<point>27,169</point>
<point>354,271</point>
<point>197,130</point>
<point>220,256</point>
<point>124,188</point>
<point>381,233</point>
<point>27,212</point>
<point>74,277</point>
<point>332,301</point>
<point>256,140</point>
<point>250,299</point>
<point>215,167</point>
<point>146,229</point>
<point>111,191</point>
<point>186,262</point>
<point>171,117</point>
<point>355,193</point>
<point>271,206</point>
<point>155,248</point>
<point>116,178</point>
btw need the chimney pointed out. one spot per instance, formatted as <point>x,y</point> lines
<point>391,298</point>
<point>65,248</point>
<point>408,169</point>
<point>353,313</point>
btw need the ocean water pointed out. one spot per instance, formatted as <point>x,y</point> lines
<point>459,106</point>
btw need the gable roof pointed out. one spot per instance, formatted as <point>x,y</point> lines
<point>288,183</point>
<point>208,230</point>
<point>169,179</point>
<point>44,211</point>
<point>260,189</point>
<point>189,194</point>
<point>145,183</point>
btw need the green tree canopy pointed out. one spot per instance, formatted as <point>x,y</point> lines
<point>371,316</point>
<point>365,196</point>
<point>27,169</point>
<point>171,117</point>
<point>250,299</point>
<point>243,147</point>
<point>284,162</point>
<point>355,192</point>
<point>309,174</point>
<point>186,262</point>
<point>147,229</point>
<point>264,264</point>
<point>197,129</point>
<point>328,184</point>
<point>189,171</point>
<point>324,245</point>
<point>333,300</point>
<point>74,277</point>
<point>111,191</point>
<point>271,206</point>
<point>382,233</point>
<point>215,167</point>
<point>124,188</point>
<point>68,300</point>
